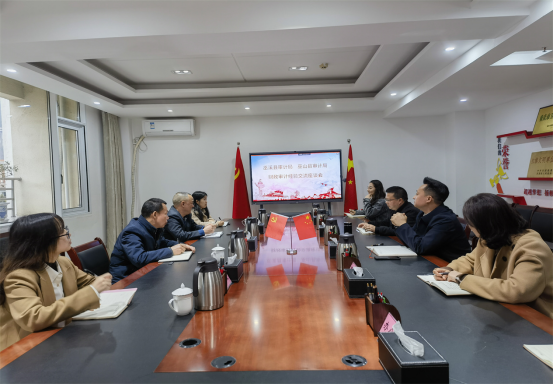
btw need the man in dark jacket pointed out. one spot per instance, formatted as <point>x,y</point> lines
<point>180,225</point>
<point>437,231</point>
<point>396,200</point>
<point>142,241</point>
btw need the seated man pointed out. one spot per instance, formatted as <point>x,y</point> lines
<point>142,241</point>
<point>180,225</point>
<point>396,200</point>
<point>437,231</point>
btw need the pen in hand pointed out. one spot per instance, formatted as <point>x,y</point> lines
<point>444,273</point>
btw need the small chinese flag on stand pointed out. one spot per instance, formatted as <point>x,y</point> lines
<point>240,203</point>
<point>304,226</point>
<point>275,226</point>
<point>350,201</point>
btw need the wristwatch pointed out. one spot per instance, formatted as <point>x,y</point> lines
<point>459,278</point>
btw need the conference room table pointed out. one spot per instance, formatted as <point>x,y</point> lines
<point>289,319</point>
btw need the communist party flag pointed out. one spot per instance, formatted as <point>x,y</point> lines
<point>350,201</point>
<point>241,202</point>
<point>304,226</point>
<point>275,226</point>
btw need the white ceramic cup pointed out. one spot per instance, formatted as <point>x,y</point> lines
<point>218,252</point>
<point>182,301</point>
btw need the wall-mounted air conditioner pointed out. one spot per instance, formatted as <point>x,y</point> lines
<point>180,127</point>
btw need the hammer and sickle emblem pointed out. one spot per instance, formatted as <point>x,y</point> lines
<point>276,284</point>
<point>273,219</point>
<point>236,174</point>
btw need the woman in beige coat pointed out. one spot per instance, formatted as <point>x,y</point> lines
<point>511,264</point>
<point>200,212</point>
<point>38,288</point>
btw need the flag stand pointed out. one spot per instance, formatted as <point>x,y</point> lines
<point>291,250</point>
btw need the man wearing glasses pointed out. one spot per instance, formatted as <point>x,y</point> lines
<point>396,200</point>
<point>180,226</point>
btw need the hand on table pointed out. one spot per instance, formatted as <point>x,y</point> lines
<point>398,219</point>
<point>209,229</point>
<point>352,211</point>
<point>179,249</point>
<point>449,277</point>
<point>220,223</point>
<point>189,248</point>
<point>102,283</point>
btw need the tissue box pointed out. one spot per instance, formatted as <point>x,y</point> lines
<point>332,250</point>
<point>356,286</point>
<point>252,244</point>
<point>402,367</point>
<point>235,270</point>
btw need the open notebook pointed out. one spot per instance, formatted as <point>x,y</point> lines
<point>212,235</point>
<point>392,250</point>
<point>364,232</point>
<point>447,287</point>
<point>542,352</point>
<point>112,304</point>
<point>182,257</point>
<point>355,216</point>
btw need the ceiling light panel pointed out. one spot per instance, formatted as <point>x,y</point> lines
<point>182,72</point>
<point>303,68</point>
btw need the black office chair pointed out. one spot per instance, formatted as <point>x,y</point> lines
<point>542,222</point>
<point>4,242</point>
<point>91,257</point>
<point>526,211</point>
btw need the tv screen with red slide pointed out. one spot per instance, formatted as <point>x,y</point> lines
<point>296,177</point>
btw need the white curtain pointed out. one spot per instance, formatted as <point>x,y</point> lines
<point>115,179</point>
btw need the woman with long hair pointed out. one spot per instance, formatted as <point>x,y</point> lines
<point>511,264</point>
<point>200,212</point>
<point>375,209</point>
<point>38,288</point>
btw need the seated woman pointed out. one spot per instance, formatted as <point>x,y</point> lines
<point>511,264</point>
<point>200,212</point>
<point>38,288</point>
<point>375,209</point>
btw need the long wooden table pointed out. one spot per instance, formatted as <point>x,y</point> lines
<point>482,340</point>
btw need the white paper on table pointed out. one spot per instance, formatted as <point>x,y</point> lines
<point>112,304</point>
<point>213,235</point>
<point>185,256</point>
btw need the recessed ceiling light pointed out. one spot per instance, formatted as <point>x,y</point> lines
<point>450,48</point>
<point>182,72</point>
<point>247,108</point>
<point>24,106</point>
<point>328,105</point>
<point>393,94</point>
<point>97,102</point>
<point>304,68</point>
<point>463,100</point>
<point>169,110</point>
<point>11,70</point>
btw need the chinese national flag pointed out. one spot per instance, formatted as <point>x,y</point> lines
<point>241,202</point>
<point>275,226</point>
<point>350,201</point>
<point>304,226</point>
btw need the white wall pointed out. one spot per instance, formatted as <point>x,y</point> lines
<point>517,115</point>
<point>397,151</point>
<point>86,227</point>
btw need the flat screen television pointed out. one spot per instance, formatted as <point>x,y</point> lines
<point>296,177</point>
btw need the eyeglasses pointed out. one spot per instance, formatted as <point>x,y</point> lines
<point>388,200</point>
<point>65,234</point>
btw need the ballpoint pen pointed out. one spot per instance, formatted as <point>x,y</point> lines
<point>444,273</point>
<point>375,245</point>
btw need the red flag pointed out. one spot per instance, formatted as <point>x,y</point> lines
<point>275,226</point>
<point>350,201</point>
<point>304,226</point>
<point>241,202</point>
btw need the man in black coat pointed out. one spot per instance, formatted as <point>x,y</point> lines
<point>437,231</point>
<point>180,225</point>
<point>396,200</point>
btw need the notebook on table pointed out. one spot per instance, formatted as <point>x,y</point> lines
<point>182,257</point>
<point>355,216</point>
<point>364,231</point>
<point>542,352</point>
<point>213,235</point>
<point>112,304</point>
<point>447,287</point>
<point>392,250</point>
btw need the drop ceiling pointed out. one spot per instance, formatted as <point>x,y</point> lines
<point>239,53</point>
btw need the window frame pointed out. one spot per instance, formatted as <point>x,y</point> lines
<point>79,126</point>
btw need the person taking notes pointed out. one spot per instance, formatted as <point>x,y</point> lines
<point>180,225</point>
<point>436,231</point>
<point>142,241</point>
<point>396,200</point>
<point>511,264</point>
<point>38,288</point>
<point>200,212</point>
<point>375,210</point>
